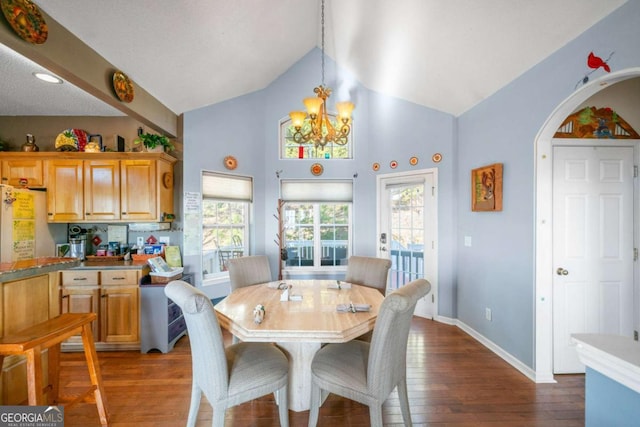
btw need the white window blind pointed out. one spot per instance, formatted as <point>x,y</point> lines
<point>316,191</point>
<point>221,186</point>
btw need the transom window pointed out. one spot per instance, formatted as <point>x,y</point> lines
<point>292,150</point>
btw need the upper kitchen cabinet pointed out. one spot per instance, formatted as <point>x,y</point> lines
<point>105,187</point>
<point>29,171</point>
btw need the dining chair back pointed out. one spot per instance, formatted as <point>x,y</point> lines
<point>231,376</point>
<point>368,271</point>
<point>249,270</point>
<point>368,372</point>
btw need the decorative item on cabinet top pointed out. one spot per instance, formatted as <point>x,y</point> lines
<point>78,140</point>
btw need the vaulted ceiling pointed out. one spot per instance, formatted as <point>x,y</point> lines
<point>447,55</point>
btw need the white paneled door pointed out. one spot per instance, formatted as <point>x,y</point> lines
<point>593,253</point>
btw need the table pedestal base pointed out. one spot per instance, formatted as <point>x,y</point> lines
<point>300,356</point>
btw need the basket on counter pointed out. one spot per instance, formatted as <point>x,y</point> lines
<point>163,278</point>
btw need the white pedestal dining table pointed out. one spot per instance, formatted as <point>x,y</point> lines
<point>300,325</point>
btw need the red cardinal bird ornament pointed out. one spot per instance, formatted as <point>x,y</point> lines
<point>596,62</point>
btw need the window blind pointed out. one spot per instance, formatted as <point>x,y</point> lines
<point>221,186</point>
<point>316,191</point>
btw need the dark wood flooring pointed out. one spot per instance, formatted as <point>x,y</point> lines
<point>453,381</point>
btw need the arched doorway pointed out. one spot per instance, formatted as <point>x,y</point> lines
<point>543,225</point>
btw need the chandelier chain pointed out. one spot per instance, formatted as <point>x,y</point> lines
<point>322,35</point>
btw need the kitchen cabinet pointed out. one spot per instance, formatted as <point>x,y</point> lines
<point>15,171</point>
<point>97,187</point>
<point>112,294</point>
<point>101,190</point>
<point>138,193</point>
<point>65,190</point>
<point>161,321</point>
<point>83,190</point>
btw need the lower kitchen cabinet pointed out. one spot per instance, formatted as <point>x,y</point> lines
<point>114,296</point>
<point>161,320</point>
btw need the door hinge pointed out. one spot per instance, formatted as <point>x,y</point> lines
<point>433,191</point>
<point>635,171</point>
<point>635,254</point>
<point>635,335</point>
<point>433,299</point>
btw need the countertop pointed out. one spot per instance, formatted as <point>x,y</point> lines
<point>615,356</point>
<point>112,265</point>
<point>32,267</point>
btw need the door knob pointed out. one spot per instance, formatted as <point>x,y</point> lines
<point>561,271</point>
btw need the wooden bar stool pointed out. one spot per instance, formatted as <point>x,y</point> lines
<point>48,335</point>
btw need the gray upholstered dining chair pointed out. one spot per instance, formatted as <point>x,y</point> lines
<point>249,270</point>
<point>368,271</point>
<point>227,376</point>
<point>368,372</point>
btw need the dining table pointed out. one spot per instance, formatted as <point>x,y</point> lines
<point>313,313</point>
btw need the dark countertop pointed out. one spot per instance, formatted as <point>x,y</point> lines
<point>21,269</point>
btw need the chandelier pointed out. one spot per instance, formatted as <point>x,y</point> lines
<point>320,130</point>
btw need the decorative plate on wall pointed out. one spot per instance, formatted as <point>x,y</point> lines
<point>393,164</point>
<point>436,157</point>
<point>413,161</point>
<point>317,169</point>
<point>376,166</point>
<point>122,86</point>
<point>26,20</point>
<point>230,162</point>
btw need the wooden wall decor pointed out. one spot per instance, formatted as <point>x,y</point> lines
<point>486,188</point>
<point>593,122</point>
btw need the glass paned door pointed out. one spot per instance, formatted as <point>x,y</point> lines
<point>407,230</point>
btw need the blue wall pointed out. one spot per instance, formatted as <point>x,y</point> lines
<point>497,271</point>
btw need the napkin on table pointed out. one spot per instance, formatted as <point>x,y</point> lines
<point>345,308</point>
<point>339,285</point>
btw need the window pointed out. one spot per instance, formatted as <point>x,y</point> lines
<point>291,150</point>
<point>317,223</point>
<point>226,200</point>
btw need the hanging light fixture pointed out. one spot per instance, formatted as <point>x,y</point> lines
<point>320,130</point>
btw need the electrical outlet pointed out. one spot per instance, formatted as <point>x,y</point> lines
<point>487,314</point>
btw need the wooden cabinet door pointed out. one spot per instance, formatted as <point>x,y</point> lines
<point>65,195</point>
<point>15,170</point>
<point>82,299</point>
<point>138,190</point>
<point>119,314</point>
<point>102,190</point>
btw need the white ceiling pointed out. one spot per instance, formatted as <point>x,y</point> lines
<point>447,55</point>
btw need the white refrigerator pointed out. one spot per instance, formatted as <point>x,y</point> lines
<point>24,231</point>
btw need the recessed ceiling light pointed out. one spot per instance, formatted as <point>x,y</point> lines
<point>49,78</point>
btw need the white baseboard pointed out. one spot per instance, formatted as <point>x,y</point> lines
<point>506,356</point>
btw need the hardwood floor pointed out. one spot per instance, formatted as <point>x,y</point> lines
<point>453,381</point>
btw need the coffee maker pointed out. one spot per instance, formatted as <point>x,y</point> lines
<point>77,242</point>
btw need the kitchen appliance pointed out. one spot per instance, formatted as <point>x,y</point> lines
<point>25,233</point>
<point>78,248</point>
<point>77,242</point>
